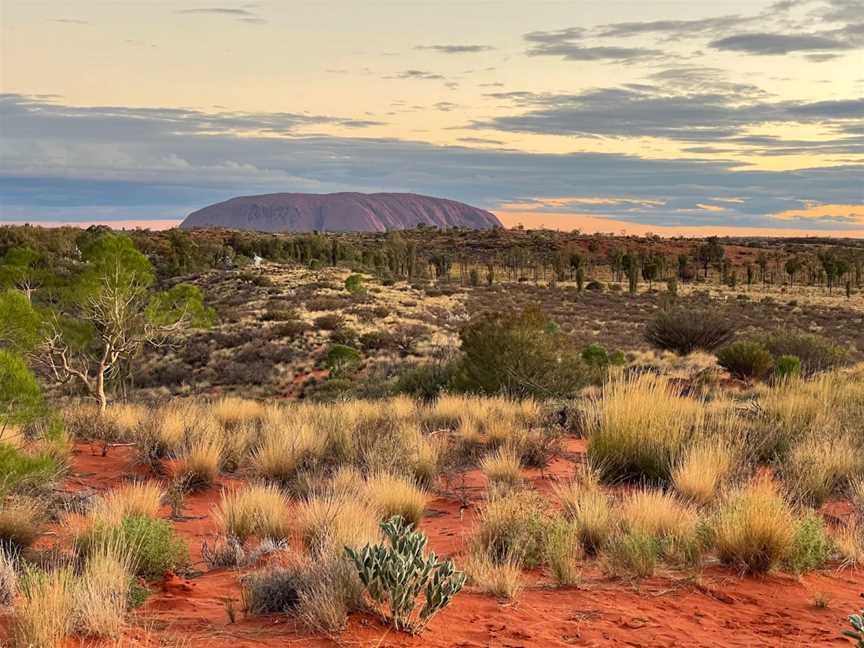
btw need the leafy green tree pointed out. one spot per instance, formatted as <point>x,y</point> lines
<point>22,268</point>
<point>20,396</point>
<point>20,323</point>
<point>110,312</point>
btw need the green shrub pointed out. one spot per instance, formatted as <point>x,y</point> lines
<point>425,381</point>
<point>20,470</point>
<point>787,366</point>
<point>811,547</point>
<point>20,397</point>
<point>344,335</point>
<point>684,331</point>
<point>519,354</point>
<point>513,527</point>
<point>342,360</point>
<point>633,554</point>
<point>815,352</point>
<point>394,575</point>
<point>746,360</point>
<point>354,284</point>
<point>152,544</point>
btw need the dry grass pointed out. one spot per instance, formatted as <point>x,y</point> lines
<point>563,551</point>
<point>639,426</point>
<point>329,523</point>
<point>755,528</point>
<point>261,510</point>
<point>20,523</point>
<point>502,579</point>
<point>394,495</point>
<point>503,468</point>
<point>139,498</point>
<point>8,577</point>
<point>285,450</point>
<point>820,466</point>
<point>856,488</point>
<point>231,411</point>
<point>658,514</point>
<point>200,459</point>
<point>100,593</point>
<point>702,470</point>
<point>591,511</point>
<point>44,613</point>
<point>513,526</point>
<point>849,543</point>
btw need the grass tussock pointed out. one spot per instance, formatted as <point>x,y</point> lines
<point>44,612</point>
<point>8,577</point>
<point>329,523</point>
<point>513,527</point>
<point>200,460</point>
<point>142,499</point>
<point>502,579</point>
<point>285,450</point>
<point>639,426</point>
<point>503,468</point>
<point>21,522</point>
<point>820,466</point>
<point>101,593</point>
<point>592,513</point>
<point>701,471</point>
<point>260,510</point>
<point>396,495</point>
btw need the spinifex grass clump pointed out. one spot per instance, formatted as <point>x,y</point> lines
<point>684,331</point>
<point>394,575</point>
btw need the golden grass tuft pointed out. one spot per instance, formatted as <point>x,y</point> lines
<point>231,411</point>
<point>396,495</point>
<point>701,471</point>
<point>639,426</point>
<point>591,511</point>
<point>502,579</point>
<point>199,460</point>
<point>503,467</point>
<point>44,612</point>
<point>755,528</point>
<point>283,451</point>
<point>139,498</point>
<point>20,523</point>
<point>260,510</point>
<point>329,523</point>
<point>101,593</point>
<point>849,542</point>
<point>819,466</point>
<point>658,514</point>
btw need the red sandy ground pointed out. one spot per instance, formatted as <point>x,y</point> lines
<point>711,607</point>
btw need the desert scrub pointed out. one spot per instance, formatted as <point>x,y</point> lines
<point>562,551</point>
<point>503,469</point>
<point>675,527</point>
<point>513,527</point>
<point>283,451</point>
<point>200,459</point>
<point>8,577</point>
<point>21,520</point>
<point>102,593</point>
<point>703,468</point>
<point>329,523</point>
<point>639,426</point>
<point>684,331</point>
<point>820,466</point>
<point>502,579</point>
<point>260,510</point>
<point>393,495</point>
<point>44,612</point>
<point>814,352</point>
<point>24,470</point>
<point>394,574</point>
<point>590,509</point>
<point>747,360</point>
<point>632,554</point>
<point>756,530</point>
<point>151,544</point>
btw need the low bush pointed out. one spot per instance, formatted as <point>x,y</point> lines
<point>633,554</point>
<point>329,322</point>
<point>513,527</point>
<point>684,331</point>
<point>786,367</point>
<point>746,360</point>
<point>394,575</point>
<point>519,354</point>
<point>811,547</point>
<point>815,352</point>
<point>20,522</point>
<point>21,470</point>
<point>152,544</point>
<point>342,360</point>
<point>425,381</point>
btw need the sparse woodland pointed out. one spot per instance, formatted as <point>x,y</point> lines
<point>223,438</point>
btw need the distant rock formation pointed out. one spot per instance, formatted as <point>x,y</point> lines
<point>339,212</point>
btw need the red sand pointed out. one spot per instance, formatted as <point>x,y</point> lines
<point>710,607</point>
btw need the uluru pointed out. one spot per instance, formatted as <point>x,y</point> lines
<point>339,212</point>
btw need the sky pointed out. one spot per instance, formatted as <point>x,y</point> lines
<point>675,117</point>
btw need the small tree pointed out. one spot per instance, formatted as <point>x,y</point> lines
<point>110,313</point>
<point>20,396</point>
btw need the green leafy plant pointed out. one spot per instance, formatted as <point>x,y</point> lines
<point>394,575</point>
<point>787,366</point>
<point>746,360</point>
<point>354,284</point>
<point>857,632</point>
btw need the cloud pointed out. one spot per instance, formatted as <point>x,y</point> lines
<point>824,214</point>
<point>764,44</point>
<point>59,161</point>
<point>445,106</point>
<point>686,104</point>
<point>567,44</point>
<point>416,74</point>
<point>70,21</point>
<point>686,28</point>
<point>456,49</point>
<point>243,15</point>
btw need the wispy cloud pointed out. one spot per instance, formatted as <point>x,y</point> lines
<point>416,74</point>
<point>456,49</point>
<point>241,14</point>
